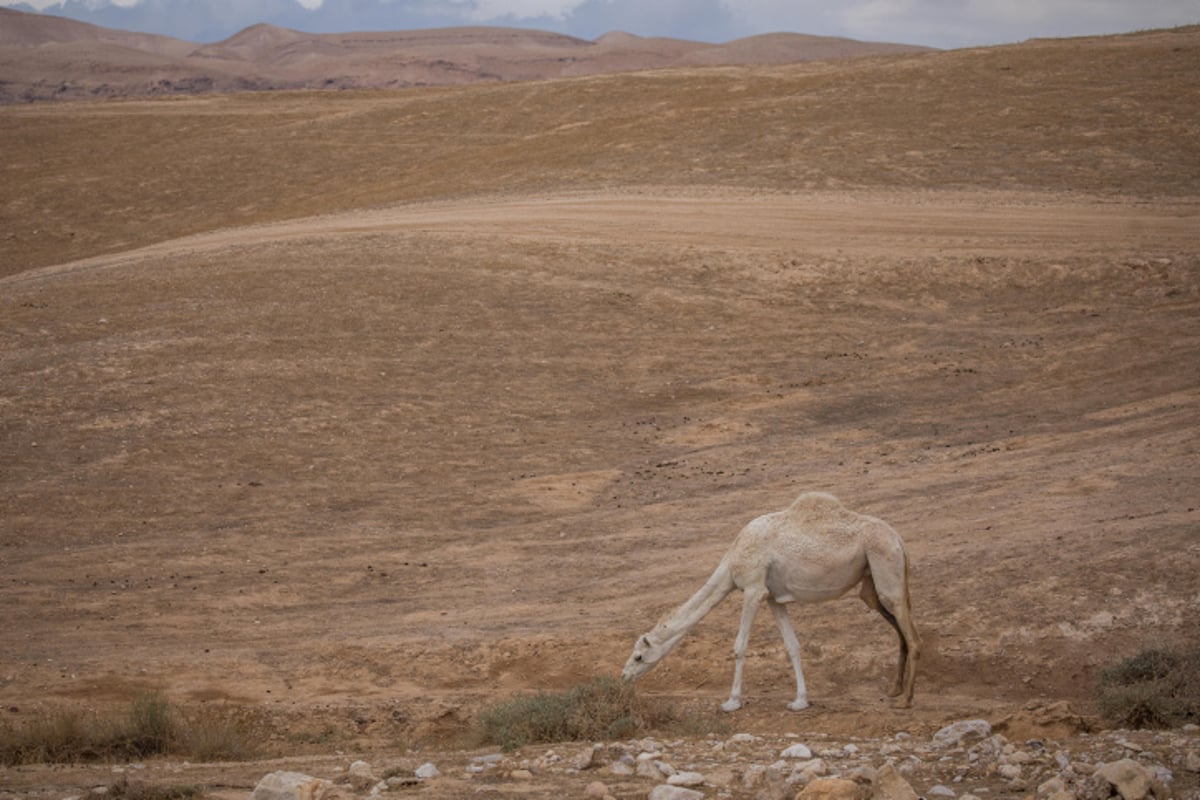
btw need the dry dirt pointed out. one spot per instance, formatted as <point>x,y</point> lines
<point>368,471</point>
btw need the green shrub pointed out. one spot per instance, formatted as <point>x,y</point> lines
<point>605,708</point>
<point>1153,689</point>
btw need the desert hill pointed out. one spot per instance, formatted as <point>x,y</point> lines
<point>346,415</point>
<point>45,57</point>
<point>1100,115</point>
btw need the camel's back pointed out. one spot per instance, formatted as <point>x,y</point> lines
<point>814,549</point>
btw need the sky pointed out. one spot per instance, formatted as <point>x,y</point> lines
<point>936,23</point>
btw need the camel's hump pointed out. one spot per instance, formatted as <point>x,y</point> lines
<point>815,503</point>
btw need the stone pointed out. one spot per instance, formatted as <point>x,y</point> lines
<point>620,768</point>
<point>686,779</point>
<point>889,784</point>
<point>584,759</point>
<point>962,732</point>
<point>1051,787</point>
<point>753,776</point>
<point>360,768</point>
<point>1131,780</point>
<point>796,751</point>
<point>1010,772</point>
<point>521,775</point>
<point>938,790</point>
<point>285,785</point>
<point>668,792</point>
<point>596,789</point>
<point>426,771</point>
<point>831,789</point>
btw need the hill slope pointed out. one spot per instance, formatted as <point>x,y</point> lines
<point>44,57</point>
<point>1089,115</point>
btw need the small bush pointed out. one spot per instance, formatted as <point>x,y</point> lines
<point>218,734</point>
<point>1153,689</point>
<point>605,708</point>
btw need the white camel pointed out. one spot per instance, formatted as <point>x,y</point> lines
<point>814,550</point>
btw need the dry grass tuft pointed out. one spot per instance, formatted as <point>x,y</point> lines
<point>150,726</point>
<point>1153,689</point>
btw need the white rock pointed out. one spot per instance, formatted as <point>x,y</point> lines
<point>285,785</point>
<point>668,792</point>
<point>596,789</point>
<point>584,758</point>
<point>361,769</point>
<point>686,779</point>
<point>797,751</point>
<point>1010,771</point>
<point>940,791</point>
<point>741,738</point>
<point>427,771</point>
<point>620,768</point>
<point>753,776</point>
<point>1129,778</point>
<point>956,733</point>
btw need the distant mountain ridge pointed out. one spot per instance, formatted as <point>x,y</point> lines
<point>44,57</point>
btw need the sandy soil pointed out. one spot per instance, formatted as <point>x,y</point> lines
<point>369,472</point>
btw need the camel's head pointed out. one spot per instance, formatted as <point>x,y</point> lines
<point>645,655</point>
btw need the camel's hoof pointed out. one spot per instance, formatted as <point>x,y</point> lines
<point>731,705</point>
<point>798,704</point>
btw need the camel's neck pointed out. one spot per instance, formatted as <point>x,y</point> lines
<point>673,627</point>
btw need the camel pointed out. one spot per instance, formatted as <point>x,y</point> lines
<point>814,550</point>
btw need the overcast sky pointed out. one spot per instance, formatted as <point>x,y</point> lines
<point>938,23</point>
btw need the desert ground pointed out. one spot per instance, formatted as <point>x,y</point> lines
<point>361,412</point>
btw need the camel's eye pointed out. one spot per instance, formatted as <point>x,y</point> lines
<point>638,658</point>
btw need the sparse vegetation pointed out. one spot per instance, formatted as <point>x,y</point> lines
<point>124,789</point>
<point>604,708</point>
<point>149,726</point>
<point>1156,688</point>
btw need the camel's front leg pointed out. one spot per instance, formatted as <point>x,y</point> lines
<point>751,598</point>
<point>792,645</point>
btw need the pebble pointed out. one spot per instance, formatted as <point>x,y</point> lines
<point>1098,766</point>
<point>796,751</point>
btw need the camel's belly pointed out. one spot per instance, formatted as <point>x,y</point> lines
<point>803,584</point>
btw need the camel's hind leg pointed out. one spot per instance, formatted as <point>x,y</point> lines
<point>890,598</point>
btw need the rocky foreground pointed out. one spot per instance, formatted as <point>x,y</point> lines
<point>966,760</point>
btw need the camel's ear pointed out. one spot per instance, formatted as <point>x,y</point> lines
<point>645,641</point>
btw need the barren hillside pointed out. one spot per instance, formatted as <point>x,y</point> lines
<point>44,57</point>
<point>362,411</point>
